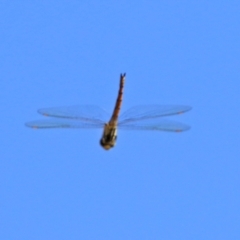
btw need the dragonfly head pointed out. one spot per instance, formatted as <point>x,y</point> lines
<point>109,137</point>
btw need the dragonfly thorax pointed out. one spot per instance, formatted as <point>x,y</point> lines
<point>109,136</point>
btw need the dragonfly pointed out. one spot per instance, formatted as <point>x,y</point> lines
<point>142,117</point>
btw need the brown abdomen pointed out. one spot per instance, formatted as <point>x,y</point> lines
<point>118,104</point>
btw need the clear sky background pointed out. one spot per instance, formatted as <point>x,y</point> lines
<point>60,184</point>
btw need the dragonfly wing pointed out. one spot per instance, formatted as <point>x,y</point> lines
<point>62,123</point>
<point>143,112</point>
<point>155,125</point>
<point>88,113</point>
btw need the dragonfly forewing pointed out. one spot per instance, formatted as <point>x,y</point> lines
<point>62,123</point>
<point>155,125</point>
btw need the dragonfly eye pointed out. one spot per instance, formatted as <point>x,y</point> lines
<point>109,138</point>
<point>107,144</point>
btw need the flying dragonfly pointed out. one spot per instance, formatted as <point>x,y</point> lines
<point>143,117</point>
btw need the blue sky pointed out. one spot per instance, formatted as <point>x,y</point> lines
<point>60,184</point>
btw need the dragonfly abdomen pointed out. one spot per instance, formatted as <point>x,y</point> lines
<point>119,100</point>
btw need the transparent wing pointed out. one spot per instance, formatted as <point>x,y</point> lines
<point>86,113</point>
<point>155,124</point>
<point>144,112</point>
<point>63,123</point>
